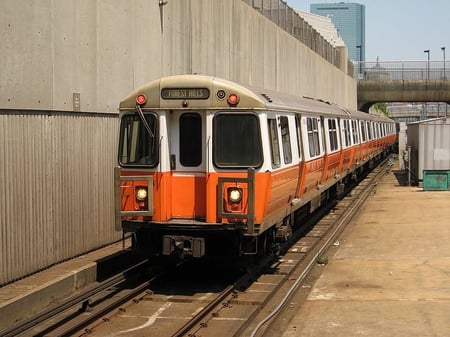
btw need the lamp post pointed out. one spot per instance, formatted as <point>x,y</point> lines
<point>360,59</point>
<point>428,77</point>
<point>428,63</point>
<point>445,77</point>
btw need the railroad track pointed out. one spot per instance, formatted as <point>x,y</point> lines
<point>64,318</point>
<point>199,299</point>
<point>196,303</point>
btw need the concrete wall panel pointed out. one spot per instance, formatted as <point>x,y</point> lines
<point>26,61</point>
<point>101,50</point>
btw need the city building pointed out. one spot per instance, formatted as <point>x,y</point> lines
<point>349,19</point>
<point>324,26</point>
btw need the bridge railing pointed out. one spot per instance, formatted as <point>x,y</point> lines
<point>402,70</point>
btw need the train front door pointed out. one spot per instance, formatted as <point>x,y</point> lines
<point>187,163</point>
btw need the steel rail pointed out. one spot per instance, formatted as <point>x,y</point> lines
<point>82,297</point>
<point>96,314</point>
<point>205,311</point>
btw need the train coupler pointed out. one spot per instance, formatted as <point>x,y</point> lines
<point>183,245</point>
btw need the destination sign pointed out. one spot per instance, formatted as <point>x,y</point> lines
<point>185,93</point>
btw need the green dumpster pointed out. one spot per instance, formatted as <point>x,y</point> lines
<point>436,180</point>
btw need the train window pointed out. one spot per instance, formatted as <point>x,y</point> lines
<point>332,131</point>
<point>355,132</point>
<point>138,142</point>
<point>369,130</point>
<point>299,139</point>
<point>363,131</point>
<point>346,131</point>
<point>286,139</point>
<point>274,143</point>
<point>190,140</point>
<point>236,140</point>
<point>312,127</point>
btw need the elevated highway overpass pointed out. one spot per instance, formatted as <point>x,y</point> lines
<point>407,81</point>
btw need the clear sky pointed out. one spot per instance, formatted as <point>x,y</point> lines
<point>398,30</point>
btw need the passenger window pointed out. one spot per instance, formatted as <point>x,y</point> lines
<point>190,140</point>
<point>332,131</point>
<point>274,143</point>
<point>369,129</point>
<point>286,140</point>
<point>355,132</point>
<point>347,136</point>
<point>313,136</point>
<point>363,131</point>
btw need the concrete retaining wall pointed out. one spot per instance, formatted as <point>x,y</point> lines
<point>55,52</point>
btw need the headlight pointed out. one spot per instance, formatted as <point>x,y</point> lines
<point>141,193</point>
<point>234,194</point>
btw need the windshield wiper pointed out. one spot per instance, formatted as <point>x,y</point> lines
<point>144,121</point>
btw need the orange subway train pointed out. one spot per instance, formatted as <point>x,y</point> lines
<point>208,167</point>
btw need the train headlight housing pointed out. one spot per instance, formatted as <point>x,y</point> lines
<point>141,193</point>
<point>234,194</point>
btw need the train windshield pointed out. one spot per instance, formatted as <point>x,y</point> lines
<point>138,143</point>
<point>236,141</point>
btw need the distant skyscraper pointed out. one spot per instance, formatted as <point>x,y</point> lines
<point>350,20</point>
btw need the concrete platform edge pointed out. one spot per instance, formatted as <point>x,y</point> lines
<point>30,303</point>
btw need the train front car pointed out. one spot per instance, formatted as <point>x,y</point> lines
<point>186,184</point>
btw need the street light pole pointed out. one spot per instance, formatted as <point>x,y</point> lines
<point>360,59</point>
<point>428,78</point>
<point>445,77</point>
<point>428,63</point>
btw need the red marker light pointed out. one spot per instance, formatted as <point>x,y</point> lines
<point>233,99</point>
<point>141,99</point>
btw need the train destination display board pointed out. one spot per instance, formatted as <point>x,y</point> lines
<point>185,93</point>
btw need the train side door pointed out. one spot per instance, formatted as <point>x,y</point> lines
<point>187,164</point>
